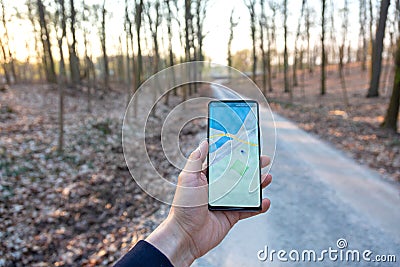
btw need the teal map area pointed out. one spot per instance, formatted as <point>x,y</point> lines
<point>234,155</point>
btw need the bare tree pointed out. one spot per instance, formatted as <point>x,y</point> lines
<point>90,72</point>
<point>103,39</point>
<point>5,45</point>
<point>323,55</point>
<point>298,32</point>
<point>36,32</point>
<point>170,49</point>
<point>263,24</point>
<point>127,29</point>
<point>345,22</point>
<point>138,23</point>
<point>61,24</point>
<point>189,42</point>
<point>272,38</point>
<point>201,7</point>
<point>309,12</point>
<point>252,12</point>
<point>331,53</point>
<point>180,26</point>
<point>45,38</point>
<point>73,57</point>
<point>373,90</point>
<point>154,27</point>
<point>4,62</point>
<point>371,31</point>
<point>285,51</point>
<point>362,36</point>
<point>232,25</point>
<point>392,112</point>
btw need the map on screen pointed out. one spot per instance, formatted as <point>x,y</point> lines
<point>234,154</point>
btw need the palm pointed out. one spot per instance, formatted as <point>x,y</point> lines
<point>207,228</point>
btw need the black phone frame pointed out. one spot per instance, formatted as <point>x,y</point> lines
<point>235,208</point>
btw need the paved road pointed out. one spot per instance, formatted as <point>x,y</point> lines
<point>318,195</point>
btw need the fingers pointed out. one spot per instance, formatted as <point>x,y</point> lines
<point>266,180</point>
<point>196,158</point>
<point>266,203</point>
<point>265,161</point>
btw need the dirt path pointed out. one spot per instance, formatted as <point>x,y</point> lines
<point>318,195</point>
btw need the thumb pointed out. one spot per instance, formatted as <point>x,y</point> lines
<point>196,158</point>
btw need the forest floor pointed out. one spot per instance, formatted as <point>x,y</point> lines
<point>80,207</point>
<point>354,129</point>
<point>83,208</point>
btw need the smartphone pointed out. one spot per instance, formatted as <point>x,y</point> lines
<point>234,173</point>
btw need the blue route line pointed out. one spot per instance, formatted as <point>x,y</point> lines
<point>232,119</point>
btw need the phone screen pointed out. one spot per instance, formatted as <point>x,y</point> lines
<point>234,155</point>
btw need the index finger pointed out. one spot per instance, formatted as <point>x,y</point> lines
<point>265,161</point>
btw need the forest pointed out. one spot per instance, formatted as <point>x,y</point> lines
<point>69,68</point>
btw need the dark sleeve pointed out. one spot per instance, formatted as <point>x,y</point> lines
<point>143,254</point>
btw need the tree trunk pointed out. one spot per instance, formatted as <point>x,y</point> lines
<point>392,112</point>
<point>295,83</point>
<point>170,49</point>
<point>363,21</point>
<point>285,51</point>
<point>373,90</point>
<point>232,25</point>
<point>61,79</point>
<point>251,7</point>
<point>308,26</point>
<point>128,29</point>
<point>138,22</point>
<point>104,47</point>
<point>269,71</point>
<point>73,58</point>
<point>262,47</point>
<point>45,37</point>
<point>341,75</point>
<point>323,56</point>
<point>4,64</point>
<point>188,43</point>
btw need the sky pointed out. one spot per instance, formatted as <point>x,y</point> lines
<point>216,27</point>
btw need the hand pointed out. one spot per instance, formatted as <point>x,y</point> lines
<point>190,232</point>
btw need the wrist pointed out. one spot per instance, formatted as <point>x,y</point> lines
<point>172,242</point>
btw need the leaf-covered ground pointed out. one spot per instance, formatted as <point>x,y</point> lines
<point>354,129</point>
<point>77,208</point>
<point>83,208</point>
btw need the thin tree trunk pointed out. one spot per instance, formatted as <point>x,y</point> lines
<point>262,47</point>
<point>104,47</point>
<point>127,29</point>
<point>138,20</point>
<point>7,43</point>
<point>251,7</point>
<point>295,83</point>
<point>341,76</point>
<point>61,79</point>
<point>4,64</point>
<point>373,90</point>
<point>170,49</point>
<point>232,25</point>
<point>285,51</point>
<point>323,56</point>
<point>73,58</point>
<point>308,26</point>
<point>392,112</point>
<point>269,71</point>
<point>363,21</point>
<point>48,55</point>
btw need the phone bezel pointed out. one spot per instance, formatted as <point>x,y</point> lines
<point>235,208</point>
